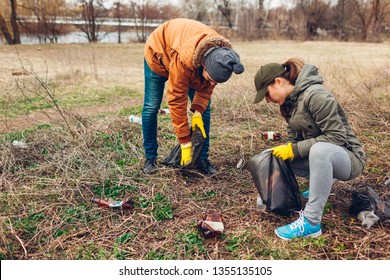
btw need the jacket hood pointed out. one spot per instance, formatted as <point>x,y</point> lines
<point>205,45</point>
<point>307,77</point>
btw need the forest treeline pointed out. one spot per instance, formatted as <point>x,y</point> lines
<point>343,20</point>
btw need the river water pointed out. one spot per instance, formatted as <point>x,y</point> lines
<point>80,37</point>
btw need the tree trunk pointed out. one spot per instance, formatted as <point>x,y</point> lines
<point>365,19</point>
<point>226,12</point>
<point>14,23</point>
<point>90,28</point>
<point>5,31</point>
<point>119,18</point>
<point>15,28</point>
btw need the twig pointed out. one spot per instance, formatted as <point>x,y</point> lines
<point>17,237</point>
<point>51,100</point>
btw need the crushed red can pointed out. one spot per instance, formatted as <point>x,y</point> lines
<point>271,135</point>
<point>127,203</point>
<point>211,225</point>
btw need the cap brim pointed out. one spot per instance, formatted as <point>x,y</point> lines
<point>260,95</point>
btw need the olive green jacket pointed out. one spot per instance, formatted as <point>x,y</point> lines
<point>316,116</point>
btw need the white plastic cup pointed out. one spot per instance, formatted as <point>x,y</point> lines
<point>260,205</point>
<point>164,111</point>
<point>135,119</point>
<point>19,144</point>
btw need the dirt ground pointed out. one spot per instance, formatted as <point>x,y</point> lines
<point>87,148</point>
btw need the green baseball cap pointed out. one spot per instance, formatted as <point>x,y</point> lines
<point>266,76</point>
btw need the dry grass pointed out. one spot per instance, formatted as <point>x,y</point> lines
<point>46,211</point>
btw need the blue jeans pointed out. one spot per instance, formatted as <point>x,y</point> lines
<point>154,90</point>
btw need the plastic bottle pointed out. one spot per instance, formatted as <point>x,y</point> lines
<point>110,203</point>
<point>19,144</point>
<point>259,204</point>
<point>271,135</point>
<point>135,119</point>
<point>164,111</point>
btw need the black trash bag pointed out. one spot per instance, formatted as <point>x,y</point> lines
<point>366,199</point>
<point>174,157</point>
<point>276,183</point>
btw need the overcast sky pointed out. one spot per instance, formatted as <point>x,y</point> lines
<point>269,4</point>
<point>109,3</point>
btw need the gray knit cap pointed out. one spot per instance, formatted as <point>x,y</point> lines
<point>221,62</point>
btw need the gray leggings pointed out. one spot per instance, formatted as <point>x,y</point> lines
<point>326,161</point>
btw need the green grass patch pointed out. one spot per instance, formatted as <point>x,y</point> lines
<point>81,98</point>
<point>29,224</point>
<point>111,190</point>
<point>192,243</point>
<point>310,242</point>
<point>98,96</point>
<point>233,244</point>
<point>125,238</point>
<point>159,255</point>
<point>122,163</point>
<point>77,214</point>
<point>270,251</point>
<point>92,251</point>
<point>168,136</point>
<point>159,206</point>
<point>328,207</point>
<point>115,142</point>
<point>21,135</point>
<point>25,106</point>
<point>120,254</point>
<point>64,230</point>
<point>137,110</point>
<point>339,248</point>
<point>374,169</point>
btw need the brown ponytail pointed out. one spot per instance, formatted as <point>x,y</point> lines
<point>293,67</point>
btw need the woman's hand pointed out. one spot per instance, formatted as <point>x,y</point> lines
<point>283,151</point>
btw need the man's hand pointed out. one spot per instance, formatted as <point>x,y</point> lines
<point>283,151</point>
<point>185,153</point>
<point>198,122</point>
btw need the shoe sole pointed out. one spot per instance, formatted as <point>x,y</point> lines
<point>315,234</point>
<point>150,172</point>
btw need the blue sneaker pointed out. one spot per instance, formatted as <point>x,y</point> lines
<point>305,194</point>
<point>299,228</point>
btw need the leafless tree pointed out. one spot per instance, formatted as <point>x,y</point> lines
<point>381,14</point>
<point>140,15</point>
<point>46,13</point>
<point>371,15</point>
<point>118,14</point>
<point>147,12</point>
<point>195,9</point>
<point>14,37</point>
<point>314,12</point>
<point>261,20</point>
<point>246,15</point>
<point>90,13</point>
<point>362,12</point>
<point>225,8</point>
<point>340,15</point>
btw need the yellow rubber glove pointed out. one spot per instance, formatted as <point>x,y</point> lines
<point>283,151</point>
<point>198,122</point>
<point>185,153</point>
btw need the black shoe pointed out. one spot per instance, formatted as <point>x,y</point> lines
<point>205,167</point>
<point>150,166</point>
